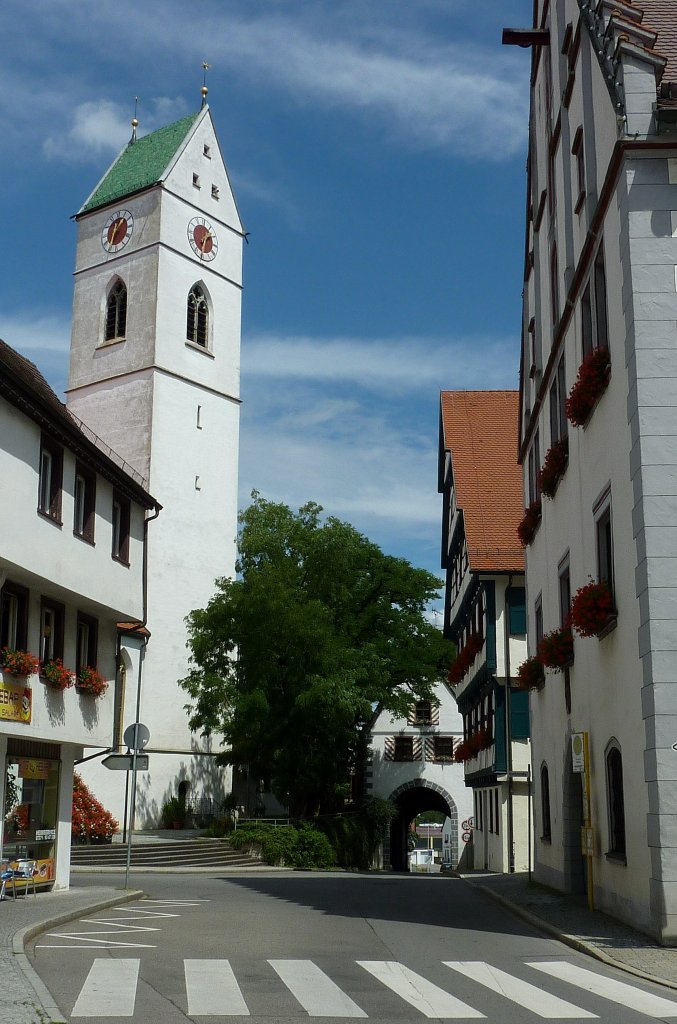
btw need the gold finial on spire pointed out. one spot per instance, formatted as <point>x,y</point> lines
<point>135,120</point>
<point>204,90</point>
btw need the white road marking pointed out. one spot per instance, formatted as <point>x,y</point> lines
<point>314,990</point>
<point>211,989</point>
<point>529,996</point>
<point>609,988</point>
<point>109,990</point>
<point>417,991</point>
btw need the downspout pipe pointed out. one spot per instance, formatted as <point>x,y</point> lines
<point>508,725</point>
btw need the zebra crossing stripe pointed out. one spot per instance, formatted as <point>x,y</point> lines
<point>518,991</point>
<point>109,989</point>
<point>211,989</point>
<point>609,988</point>
<point>315,991</point>
<point>417,991</point>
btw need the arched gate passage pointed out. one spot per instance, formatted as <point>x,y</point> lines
<point>411,799</point>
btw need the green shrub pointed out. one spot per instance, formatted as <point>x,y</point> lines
<point>313,849</point>
<point>303,847</point>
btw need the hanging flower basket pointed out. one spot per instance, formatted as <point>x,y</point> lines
<point>530,675</point>
<point>554,467</point>
<point>18,663</point>
<point>465,750</point>
<point>55,675</point>
<point>91,681</point>
<point>590,385</point>
<point>465,658</point>
<point>556,649</point>
<point>592,609</point>
<point>529,522</point>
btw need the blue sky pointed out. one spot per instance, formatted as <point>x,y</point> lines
<point>377,150</point>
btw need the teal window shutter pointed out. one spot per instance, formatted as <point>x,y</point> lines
<point>517,611</point>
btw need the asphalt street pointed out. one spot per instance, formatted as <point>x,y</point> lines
<point>286,947</point>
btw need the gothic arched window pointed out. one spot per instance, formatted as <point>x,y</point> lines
<point>116,313</point>
<point>616,803</point>
<point>197,317</point>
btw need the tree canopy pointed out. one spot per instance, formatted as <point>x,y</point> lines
<point>293,661</point>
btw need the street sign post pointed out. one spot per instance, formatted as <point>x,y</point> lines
<point>125,762</point>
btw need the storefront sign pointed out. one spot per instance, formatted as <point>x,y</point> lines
<point>43,835</point>
<point>29,768</point>
<point>15,703</point>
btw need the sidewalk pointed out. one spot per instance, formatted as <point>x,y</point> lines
<point>591,932</point>
<point>23,997</point>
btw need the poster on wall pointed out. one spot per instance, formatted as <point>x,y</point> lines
<point>15,703</point>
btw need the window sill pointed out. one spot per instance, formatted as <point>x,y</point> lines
<point>547,840</point>
<point>120,561</point>
<point>608,627</point>
<point>199,348</point>
<point>111,342</point>
<point>56,520</point>
<point>84,539</point>
<point>616,858</point>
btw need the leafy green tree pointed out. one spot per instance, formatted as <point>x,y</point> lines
<point>293,661</point>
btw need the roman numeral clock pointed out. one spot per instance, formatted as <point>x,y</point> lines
<point>202,239</point>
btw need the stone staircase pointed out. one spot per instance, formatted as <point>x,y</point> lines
<point>155,852</point>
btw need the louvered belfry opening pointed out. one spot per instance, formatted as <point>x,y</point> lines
<point>197,319</point>
<point>116,313</point>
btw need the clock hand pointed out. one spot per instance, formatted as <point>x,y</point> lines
<point>118,224</point>
<point>205,239</point>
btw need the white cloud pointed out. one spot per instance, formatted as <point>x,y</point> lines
<point>33,334</point>
<point>403,364</point>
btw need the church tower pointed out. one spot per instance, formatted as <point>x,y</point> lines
<point>154,371</point>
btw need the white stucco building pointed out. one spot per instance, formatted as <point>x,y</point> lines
<point>598,418</point>
<point>154,370</point>
<point>484,615</point>
<point>412,764</point>
<point>72,547</point>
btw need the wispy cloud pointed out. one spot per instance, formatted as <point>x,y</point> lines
<point>403,364</point>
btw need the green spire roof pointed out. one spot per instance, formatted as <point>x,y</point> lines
<point>141,163</point>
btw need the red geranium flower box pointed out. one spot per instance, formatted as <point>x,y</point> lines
<point>18,663</point>
<point>592,609</point>
<point>529,522</point>
<point>91,681</point>
<point>465,658</point>
<point>556,649</point>
<point>590,385</point>
<point>55,675</point>
<point>554,467</point>
<point>530,674</point>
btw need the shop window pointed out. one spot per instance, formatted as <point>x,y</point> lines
<point>50,479</point>
<point>14,616</point>
<point>51,630</point>
<point>31,811</point>
<point>84,502</point>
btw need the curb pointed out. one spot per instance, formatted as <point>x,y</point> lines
<point>51,1011</point>
<point>152,869</point>
<point>580,945</point>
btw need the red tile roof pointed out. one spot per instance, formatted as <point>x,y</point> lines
<point>479,429</point>
<point>660,16</point>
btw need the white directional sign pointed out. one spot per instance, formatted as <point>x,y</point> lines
<point>125,762</point>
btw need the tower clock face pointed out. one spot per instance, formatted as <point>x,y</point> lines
<point>117,231</point>
<point>203,240</point>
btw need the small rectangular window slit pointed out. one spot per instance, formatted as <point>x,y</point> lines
<point>207,151</point>
<point>198,485</point>
<point>198,421</point>
<point>215,191</point>
<point>196,180</point>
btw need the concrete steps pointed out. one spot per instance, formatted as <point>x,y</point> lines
<point>181,853</point>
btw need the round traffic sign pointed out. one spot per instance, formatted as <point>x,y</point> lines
<point>136,732</point>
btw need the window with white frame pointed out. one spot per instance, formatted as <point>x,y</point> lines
<point>51,629</point>
<point>13,616</point>
<point>594,322</point>
<point>84,502</point>
<point>604,540</point>
<point>50,478</point>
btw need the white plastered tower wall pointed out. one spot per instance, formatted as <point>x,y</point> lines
<point>170,407</point>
